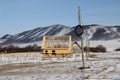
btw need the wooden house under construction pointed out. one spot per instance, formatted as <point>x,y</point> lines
<point>56,46</point>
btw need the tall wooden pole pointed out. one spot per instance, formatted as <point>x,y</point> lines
<point>87,45</point>
<point>81,37</point>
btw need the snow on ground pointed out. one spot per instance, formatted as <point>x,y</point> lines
<point>26,44</point>
<point>111,45</point>
<point>102,66</point>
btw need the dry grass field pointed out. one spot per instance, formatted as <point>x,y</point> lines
<point>23,55</point>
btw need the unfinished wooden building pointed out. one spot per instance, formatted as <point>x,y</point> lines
<point>56,46</point>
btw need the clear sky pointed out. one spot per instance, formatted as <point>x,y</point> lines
<point>21,15</point>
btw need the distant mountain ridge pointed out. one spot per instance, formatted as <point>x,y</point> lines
<point>96,32</point>
<point>7,36</point>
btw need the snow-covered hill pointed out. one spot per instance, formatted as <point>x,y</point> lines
<point>33,36</point>
<point>4,38</point>
<point>106,33</point>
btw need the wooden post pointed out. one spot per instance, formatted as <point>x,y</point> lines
<point>87,45</point>
<point>81,37</point>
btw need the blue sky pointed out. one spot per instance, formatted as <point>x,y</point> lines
<point>21,15</point>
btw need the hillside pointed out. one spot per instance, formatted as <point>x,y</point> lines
<point>96,32</point>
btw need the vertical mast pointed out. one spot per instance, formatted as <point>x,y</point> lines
<point>79,16</point>
<point>81,37</point>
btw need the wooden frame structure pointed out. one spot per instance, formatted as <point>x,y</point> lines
<point>56,46</point>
